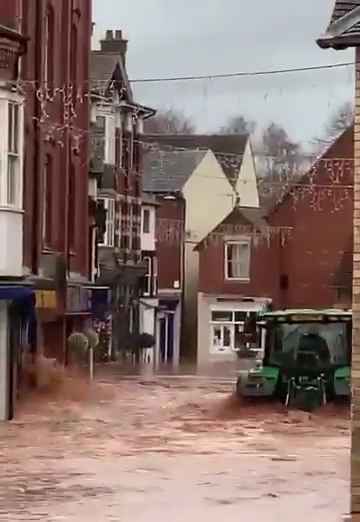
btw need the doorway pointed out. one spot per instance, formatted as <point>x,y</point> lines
<point>166,339</point>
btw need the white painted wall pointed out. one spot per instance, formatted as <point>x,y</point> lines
<point>11,251</point>
<point>147,317</point>
<point>148,240</point>
<point>4,362</point>
<point>246,186</point>
<point>209,198</point>
<point>92,192</point>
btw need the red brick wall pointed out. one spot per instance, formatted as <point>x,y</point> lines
<point>10,13</point>
<point>170,229</point>
<point>263,272</point>
<point>311,255</point>
<point>66,14</point>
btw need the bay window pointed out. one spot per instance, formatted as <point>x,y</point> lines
<point>13,181</point>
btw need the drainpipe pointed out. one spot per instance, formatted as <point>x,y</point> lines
<point>182,274</point>
<point>66,250</point>
<point>36,222</point>
<point>67,149</point>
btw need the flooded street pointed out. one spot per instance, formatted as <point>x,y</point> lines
<point>179,448</point>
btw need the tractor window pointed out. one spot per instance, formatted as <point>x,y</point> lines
<point>328,340</point>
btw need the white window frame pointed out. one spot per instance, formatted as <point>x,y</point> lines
<point>131,219</point>
<point>148,213</point>
<point>12,191</point>
<point>148,261</point>
<point>109,236</point>
<point>155,275</point>
<point>238,242</point>
<point>231,325</point>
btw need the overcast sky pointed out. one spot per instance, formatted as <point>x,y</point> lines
<point>196,37</point>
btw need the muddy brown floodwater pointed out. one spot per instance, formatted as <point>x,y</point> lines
<point>176,448</point>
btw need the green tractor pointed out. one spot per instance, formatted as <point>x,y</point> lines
<point>306,358</point>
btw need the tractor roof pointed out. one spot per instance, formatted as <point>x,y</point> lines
<point>308,312</point>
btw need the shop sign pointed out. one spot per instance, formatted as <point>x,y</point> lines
<point>46,299</point>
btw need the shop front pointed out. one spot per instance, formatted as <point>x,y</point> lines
<point>17,319</point>
<point>222,327</point>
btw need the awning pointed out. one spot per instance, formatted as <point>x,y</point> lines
<point>15,293</point>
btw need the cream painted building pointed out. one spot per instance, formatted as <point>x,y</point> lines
<point>213,174</point>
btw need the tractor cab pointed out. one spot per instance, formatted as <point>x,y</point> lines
<point>304,350</point>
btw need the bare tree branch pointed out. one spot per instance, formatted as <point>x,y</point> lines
<point>238,125</point>
<point>169,122</point>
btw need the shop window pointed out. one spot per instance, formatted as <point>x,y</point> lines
<point>229,331</point>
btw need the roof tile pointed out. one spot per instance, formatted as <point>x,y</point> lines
<point>228,148</point>
<point>168,171</point>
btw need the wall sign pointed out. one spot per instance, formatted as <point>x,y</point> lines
<point>46,299</point>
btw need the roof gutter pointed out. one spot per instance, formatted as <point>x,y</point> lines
<point>335,36</point>
<point>146,111</point>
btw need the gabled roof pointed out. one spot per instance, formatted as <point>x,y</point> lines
<point>251,217</point>
<point>108,67</point>
<point>308,177</point>
<point>229,149</point>
<point>342,8</point>
<point>167,171</point>
<point>344,28</point>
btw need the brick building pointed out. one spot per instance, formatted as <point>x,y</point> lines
<point>117,127</point>
<point>319,211</point>
<point>296,257</point>
<point>16,295</point>
<point>170,233</point>
<point>197,167</point>
<point>342,33</point>
<point>56,228</point>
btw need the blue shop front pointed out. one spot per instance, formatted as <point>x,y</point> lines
<point>17,339</point>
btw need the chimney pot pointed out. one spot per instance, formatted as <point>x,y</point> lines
<point>114,43</point>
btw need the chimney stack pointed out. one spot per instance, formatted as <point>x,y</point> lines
<point>114,43</point>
